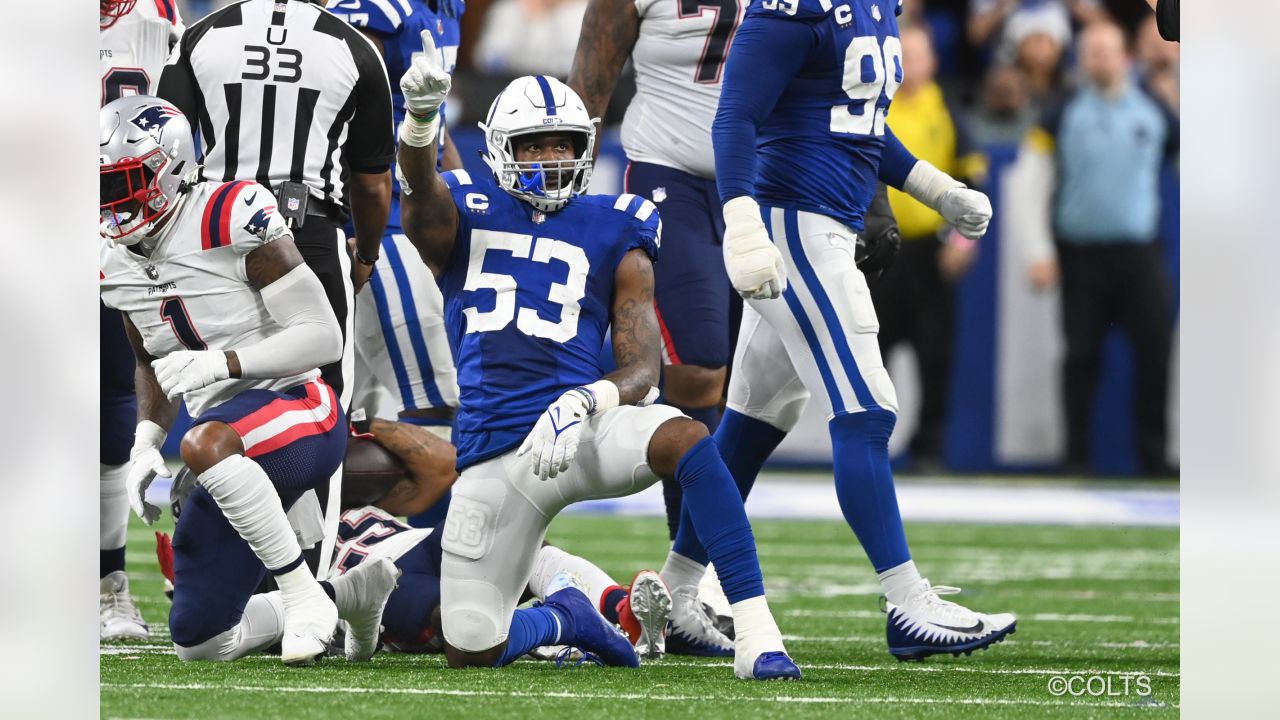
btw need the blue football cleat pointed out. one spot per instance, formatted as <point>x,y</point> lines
<point>927,625</point>
<point>588,630</point>
<point>775,666</point>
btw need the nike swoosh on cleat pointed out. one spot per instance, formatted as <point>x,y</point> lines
<point>977,627</point>
<point>249,200</point>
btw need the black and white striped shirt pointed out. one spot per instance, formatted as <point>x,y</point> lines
<point>283,90</point>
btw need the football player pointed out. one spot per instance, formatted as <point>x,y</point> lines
<point>533,274</point>
<point>800,140</point>
<point>133,42</point>
<point>223,314</point>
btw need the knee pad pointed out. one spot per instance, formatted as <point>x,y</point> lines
<point>881,388</point>
<point>218,647</point>
<point>472,615</point>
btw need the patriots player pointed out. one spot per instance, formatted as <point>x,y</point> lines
<point>223,314</point>
<point>133,42</point>
<point>800,140</point>
<point>533,274</point>
<point>403,361</point>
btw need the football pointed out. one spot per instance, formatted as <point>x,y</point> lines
<point>370,471</point>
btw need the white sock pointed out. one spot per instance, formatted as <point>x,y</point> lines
<point>679,571</point>
<point>261,625</point>
<point>247,498</point>
<point>113,506</point>
<point>754,627</point>
<point>898,582</point>
<point>552,561</point>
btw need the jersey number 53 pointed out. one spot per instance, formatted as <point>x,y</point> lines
<point>567,294</point>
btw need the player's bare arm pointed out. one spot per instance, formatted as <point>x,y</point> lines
<point>429,460</point>
<point>427,213</point>
<point>637,346</point>
<point>609,32</point>
<point>152,403</point>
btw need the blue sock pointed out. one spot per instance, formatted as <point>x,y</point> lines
<point>717,519</point>
<point>433,516</point>
<point>531,628</point>
<point>110,561</point>
<point>744,443</point>
<point>864,485</point>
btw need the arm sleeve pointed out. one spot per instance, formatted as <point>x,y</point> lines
<point>767,52</point>
<point>371,144</point>
<point>310,336</point>
<point>896,161</point>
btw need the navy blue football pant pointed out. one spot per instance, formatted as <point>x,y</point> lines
<point>118,407</point>
<point>215,570</point>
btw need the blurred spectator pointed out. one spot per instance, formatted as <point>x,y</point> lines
<point>1004,113</point>
<point>1031,34</point>
<point>530,37</point>
<point>915,298</point>
<point>1157,63</point>
<point>1106,145</point>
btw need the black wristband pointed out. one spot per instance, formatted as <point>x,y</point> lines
<point>363,260</point>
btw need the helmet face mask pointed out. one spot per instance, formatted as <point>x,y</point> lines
<point>539,105</point>
<point>109,11</point>
<point>145,153</point>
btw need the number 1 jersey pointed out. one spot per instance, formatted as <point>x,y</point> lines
<point>192,292</point>
<point>528,301</point>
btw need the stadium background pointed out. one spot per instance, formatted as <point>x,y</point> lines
<point>1004,408</point>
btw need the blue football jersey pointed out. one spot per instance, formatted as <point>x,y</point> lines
<point>527,301</point>
<point>819,149</point>
<point>399,25</point>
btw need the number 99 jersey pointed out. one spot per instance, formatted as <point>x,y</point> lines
<point>528,301</point>
<point>132,50</point>
<point>820,147</point>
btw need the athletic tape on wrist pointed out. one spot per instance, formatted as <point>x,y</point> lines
<point>928,184</point>
<point>420,133</point>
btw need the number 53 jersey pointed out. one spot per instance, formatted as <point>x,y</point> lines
<point>191,292</point>
<point>528,301</point>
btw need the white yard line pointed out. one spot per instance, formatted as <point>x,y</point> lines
<point>615,696</point>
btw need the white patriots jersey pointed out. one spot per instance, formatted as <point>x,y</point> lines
<point>370,533</point>
<point>132,52</point>
<point>192,292</point>
<point>679,61</point>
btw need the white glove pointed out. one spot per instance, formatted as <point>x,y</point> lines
<point>425,84</point>
<point>186,370</point>
<point>554,438</point>
<point>145,463</point>
<point>754,265</point>
<point>969,211</point>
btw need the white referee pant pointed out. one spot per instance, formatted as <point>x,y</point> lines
<point>819,339</point>
<point>403,359</point>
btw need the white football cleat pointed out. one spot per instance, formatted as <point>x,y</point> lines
<point>925,625</point>
<point>690,631</point>
<point>118,617</point>
<point>310,619</point>
<point>361,597</point>
<point>644,614</point>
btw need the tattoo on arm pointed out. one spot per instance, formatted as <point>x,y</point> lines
<point>609,31</point>
<point>427,212</point>
<point>637,348</point>
<point>429,460</point>
<point>152,404</point>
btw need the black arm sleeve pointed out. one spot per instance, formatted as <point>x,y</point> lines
<point>1167,20</point>
<point>371,143</point>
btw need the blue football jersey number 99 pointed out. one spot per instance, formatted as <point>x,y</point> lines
<point>869,69</point>
<point>567,294</point>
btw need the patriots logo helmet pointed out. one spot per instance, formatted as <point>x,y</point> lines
<point>145,155</point>
<point>154,118</point>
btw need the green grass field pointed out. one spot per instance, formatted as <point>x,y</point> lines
<point>1090,601</point>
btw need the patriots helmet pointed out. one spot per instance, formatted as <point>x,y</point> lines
<point>145,155</point>
<point>539,104</point>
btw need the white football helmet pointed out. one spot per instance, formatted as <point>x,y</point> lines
<point>538,104</point>
<point>145,153</point>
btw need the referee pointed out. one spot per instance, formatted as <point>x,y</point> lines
<point>285,93</point>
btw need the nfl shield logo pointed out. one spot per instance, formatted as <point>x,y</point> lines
<point>152,272</point>
<point>659,194</point>
<point>440,26</point>
<point>293,204</point>
<point>539,217</point>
